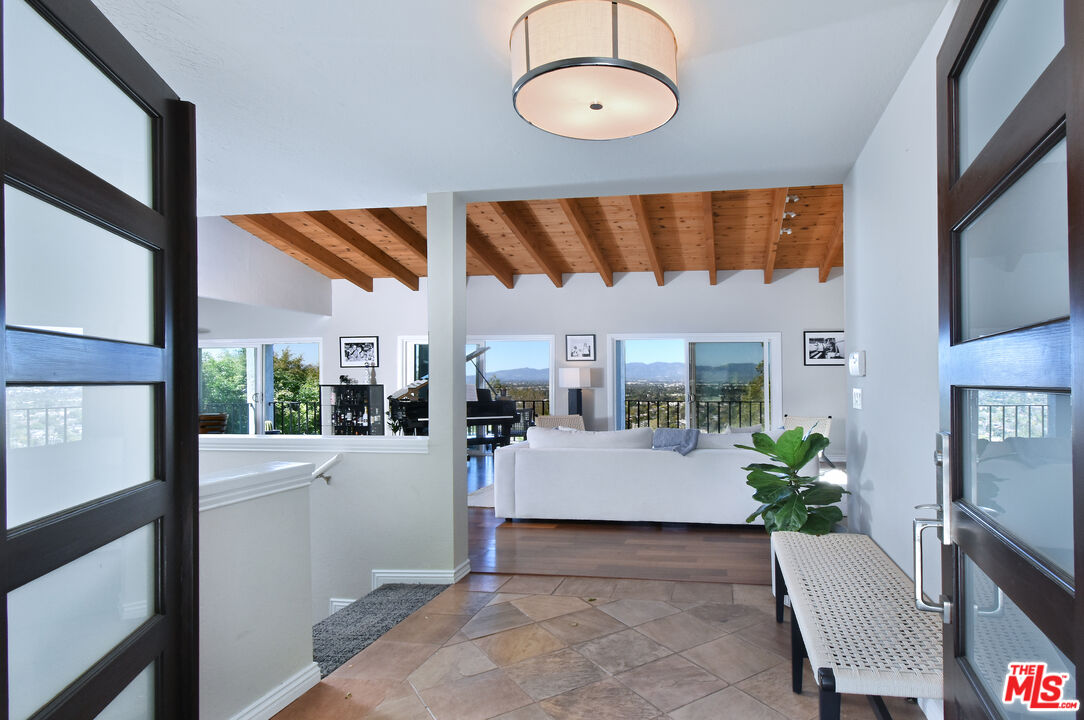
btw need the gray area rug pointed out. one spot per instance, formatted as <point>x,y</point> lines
<point>355,627</point>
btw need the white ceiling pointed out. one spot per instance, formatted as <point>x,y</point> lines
<point>359,103</point>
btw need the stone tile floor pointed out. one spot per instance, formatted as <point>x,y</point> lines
<point>532,647</point>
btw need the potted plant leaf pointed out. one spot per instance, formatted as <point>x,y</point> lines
<point>791,501</point>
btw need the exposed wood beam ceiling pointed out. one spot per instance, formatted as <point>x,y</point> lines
<point>775,231</point>
<point>636,202</point>
<point>708,228</point>
<point>578,223</point>
<point>712,232</point>
<point>512,216</point>
<point>833,256</point>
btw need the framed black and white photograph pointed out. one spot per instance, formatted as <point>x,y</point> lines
<point>579,347</point>
<point>360,351</point>
<point>824,347</point>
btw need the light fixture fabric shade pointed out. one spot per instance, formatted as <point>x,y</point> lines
<point>594,69</point>
<point>571,377</point>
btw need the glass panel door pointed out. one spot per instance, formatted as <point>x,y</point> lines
<point>1009,311</point>
<point>229,383</point>
<point>727,385</point>
<point>100,378</point>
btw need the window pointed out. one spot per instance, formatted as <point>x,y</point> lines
<point>262,386</point>
<point>709,382</point>
<point>518,366</point>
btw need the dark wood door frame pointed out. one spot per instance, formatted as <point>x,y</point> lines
<point>168,364</point>
<point>1042,357</point>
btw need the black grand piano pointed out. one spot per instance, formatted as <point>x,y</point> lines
<point>491,419</point>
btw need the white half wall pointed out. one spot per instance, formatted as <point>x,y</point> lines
<point>890,242</point>
<point>235,265</point>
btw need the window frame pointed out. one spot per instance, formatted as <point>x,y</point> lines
<point>773,388</point>
<point>260,409</point>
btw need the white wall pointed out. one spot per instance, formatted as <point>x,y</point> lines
<point>741,302</point>
<point>235,265</point>
<point>890,242</point>
<point>254,584</point>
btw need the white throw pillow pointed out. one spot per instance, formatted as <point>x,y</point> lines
<point>544,438</point>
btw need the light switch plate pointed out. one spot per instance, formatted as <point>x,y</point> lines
<point>856,398</point>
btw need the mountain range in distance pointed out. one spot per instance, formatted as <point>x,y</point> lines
<point>738,373</point>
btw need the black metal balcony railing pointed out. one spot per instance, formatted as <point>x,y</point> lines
<point>295,418</point>
<point>708,415</point>
<point>540,407</point>
<point>998,422</point>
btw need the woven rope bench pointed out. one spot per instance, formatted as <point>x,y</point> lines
<point>854,618</point>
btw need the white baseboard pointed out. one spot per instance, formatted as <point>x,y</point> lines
<point>418,577</point>
<point>932,709</point>
<point>282,695</point>
<point>334,605</point>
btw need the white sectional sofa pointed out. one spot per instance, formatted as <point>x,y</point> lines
<point>574,475</point>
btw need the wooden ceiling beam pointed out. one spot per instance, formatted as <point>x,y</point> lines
<point>400,230</point>
<point>509,214</point>
<point>637,204</point>
<point>708,221</point>
<point>479,246</point>
<point>833,250</point>
<point>775,227</point>
<point>579,224</point>
<point>320,255</point>
<point>345,232</point>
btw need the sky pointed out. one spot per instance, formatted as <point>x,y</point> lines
<point>507,355</point>
<point>309,352</point>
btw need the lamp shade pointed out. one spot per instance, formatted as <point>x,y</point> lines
<point>574,377</point>
<point>594,69</point>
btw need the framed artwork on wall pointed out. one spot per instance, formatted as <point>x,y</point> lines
<point>579,347</point>
<point>823,347</point>
<point>359,351</point>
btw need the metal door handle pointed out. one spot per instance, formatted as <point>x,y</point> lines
<point>920,597</point>
<point>943,459</point>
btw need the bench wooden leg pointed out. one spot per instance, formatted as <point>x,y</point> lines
<point>780,592</point>
<point>797,655</point>
<point>829,698</point>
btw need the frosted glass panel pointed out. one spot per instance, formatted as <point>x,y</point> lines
<point>69,444</point>
<point>62,623</point>
<point>68,275</point>
<point>136,702</point>
<point>52,92</point>
<point>996,633</point>
<point>1017,44</point>
<point>1018,466</point>
<point>1014,259</point>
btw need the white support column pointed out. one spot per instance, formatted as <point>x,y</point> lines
<point>446,221</point>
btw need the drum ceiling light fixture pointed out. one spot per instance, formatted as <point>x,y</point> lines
<point>594,69</point>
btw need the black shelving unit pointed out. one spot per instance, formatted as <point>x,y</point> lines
<point>353,409</point>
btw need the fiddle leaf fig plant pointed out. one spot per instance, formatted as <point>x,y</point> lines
<point>791,501</point>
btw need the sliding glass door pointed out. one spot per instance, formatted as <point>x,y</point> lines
<point>711,382</point>
<point>726,385</point>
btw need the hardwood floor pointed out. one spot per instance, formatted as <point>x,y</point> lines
<point>648,551</point>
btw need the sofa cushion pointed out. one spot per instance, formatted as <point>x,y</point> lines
<point>543,438</point>
<point>728,440</point>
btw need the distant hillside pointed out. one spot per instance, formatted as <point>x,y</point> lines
<point>521,375</point>
<point>734,373</point>
<point>654,372</point>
